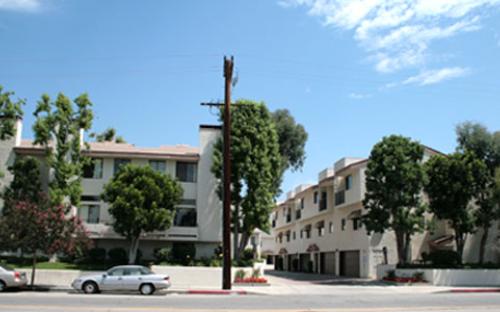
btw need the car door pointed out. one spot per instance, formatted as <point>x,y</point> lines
<point>113,280</point>
<point>132,278</point>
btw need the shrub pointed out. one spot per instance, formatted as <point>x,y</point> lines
<point>118,256</point>
<point>162,254</point>
<point>444,258</point>
<point>256,273</point>
<point>214,262</point>
<point>97,255</point>
<point>391,274</point>
<point>418,276</point>
<point>239,275</point>
<point>183,252</point>
<point>247,254</point>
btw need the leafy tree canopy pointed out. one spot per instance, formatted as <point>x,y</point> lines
<point>108,135</point>
<point>9,111</point>
<point>292,138</point>
<point>452,183</point>
<point>256,166</point>
<point>394,181</point>
<point>26,185</point>
<point>141,200</point>
<point>57,128</point>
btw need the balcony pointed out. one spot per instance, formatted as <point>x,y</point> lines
<point>339,198</point>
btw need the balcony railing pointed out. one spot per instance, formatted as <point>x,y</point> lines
<point>339,198</point>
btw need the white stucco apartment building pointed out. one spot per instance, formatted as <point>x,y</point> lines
<point>198,217</point>
<point>318,229</point>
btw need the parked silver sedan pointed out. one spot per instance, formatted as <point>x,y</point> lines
<point>123,278</point>
<point>10,278</point>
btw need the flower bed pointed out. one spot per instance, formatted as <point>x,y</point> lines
<point>250,280</point>
<point>403,279</point>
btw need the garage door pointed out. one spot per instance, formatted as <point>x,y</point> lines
<point>328,263</point>
<point>349,263</point>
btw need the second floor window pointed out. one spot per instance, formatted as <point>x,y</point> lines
<point>315,197</point>
<point>343,225</point>
<point>302,203</point>
<point>89,213</point>
<point>119,163</point>
<point>356,224</point>
<point>158,165</point>
<point>348,182</point>
<point>186,171</point>
<point>185,217</point>
<point>93,170</point>
<point>331,227</point>
<point>323,201</point>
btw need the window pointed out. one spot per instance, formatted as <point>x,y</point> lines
<point>315,197</point>
<point>301,234</point>
<point>89,213</point>
<point>288,236</point>
<point>343,225</point>
<point>116,272</point>
<point>307,230</point>
<point>323,201</point>
<point>93,170</point>
<point>119,163</point>
<point>294,236</point>
<point>158,165</point>
<point>185,217</point>
<point>348,182</point>
<point>289,215</point>
<point>298,214</point>
<point>186,171</point>
<point>340,197</point>
<point>356,224</point>
<point>330,228</point>
<point>302,203</point>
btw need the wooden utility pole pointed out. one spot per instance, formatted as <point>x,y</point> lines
<point>226,231</point>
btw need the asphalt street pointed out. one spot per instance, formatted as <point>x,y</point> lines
<point>355,302</point>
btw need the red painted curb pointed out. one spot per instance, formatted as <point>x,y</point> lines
<point>480,290</point>
<point>216,292</point>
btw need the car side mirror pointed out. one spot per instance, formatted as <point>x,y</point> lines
<point>104,275</point>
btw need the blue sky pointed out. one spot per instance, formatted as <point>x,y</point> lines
<point>350,72</point>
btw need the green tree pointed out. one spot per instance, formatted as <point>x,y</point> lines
<point>9,111</point>
<point>292,139</point>
<point>108,135</point>
<point>475,138</point>
<point>452,183</point>
<point>394,181</point>
<point>57,128</point>
<point>26,185</point>
<point>141,200</point>
<point>255,171</point>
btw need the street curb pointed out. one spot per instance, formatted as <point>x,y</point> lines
<point>169,291</point>
<point>473,290</point>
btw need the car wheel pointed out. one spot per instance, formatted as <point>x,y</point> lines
<point>147,289</point>
<point>2,286</point>
<point>90,288</point>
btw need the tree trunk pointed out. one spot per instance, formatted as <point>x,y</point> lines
<point>243,242</point>
<point>134,245</point>
<point>407,248</point>
<point>33,269</point>
<point>400,242</point>
<point>482,246</point>
<point>459,241</point>
<point>236,224</point>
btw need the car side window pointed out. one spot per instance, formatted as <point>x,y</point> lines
<point>116,272</point>
<point>134,272</point>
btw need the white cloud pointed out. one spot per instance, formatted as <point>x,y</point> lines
<point>397,34</point>
<point>20,5</point>
<point>430,77</point>
<point>359,96</point>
